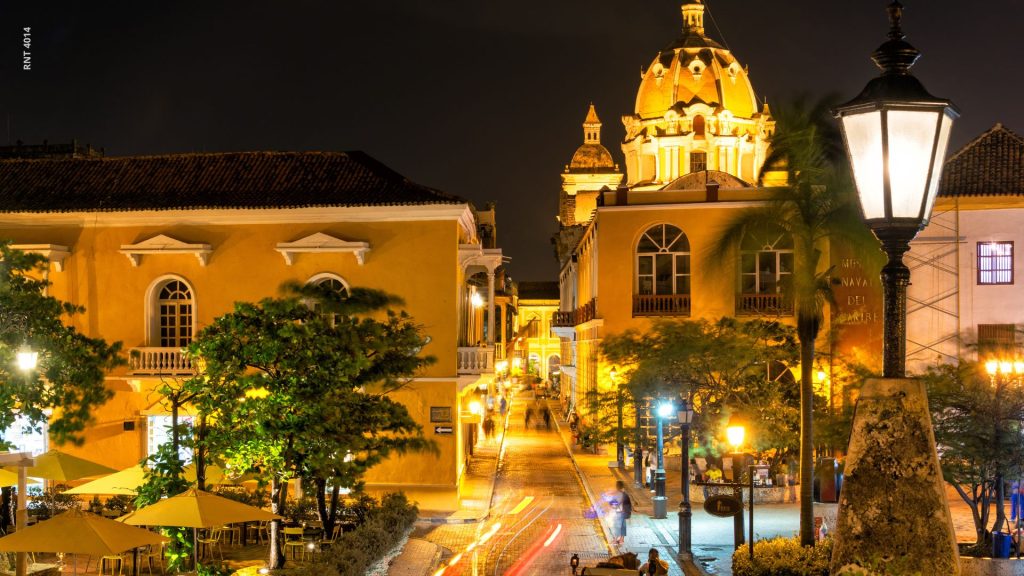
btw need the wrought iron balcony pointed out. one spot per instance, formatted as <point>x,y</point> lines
<point>661,305</point>
<point>152,360</point>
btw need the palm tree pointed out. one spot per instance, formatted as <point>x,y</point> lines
<point>817,206</point>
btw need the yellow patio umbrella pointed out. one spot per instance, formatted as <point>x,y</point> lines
<point>123,482</point>
<point>8,478</point>
<point>78,532</point>
<point>196,509</point>
<point>57,465</point>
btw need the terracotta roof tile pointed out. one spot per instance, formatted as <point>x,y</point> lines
<point>203,181</point>
<point>990,165</point>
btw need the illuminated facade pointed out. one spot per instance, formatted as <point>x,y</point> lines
<point>537,347</point>
<point>157,247</point>
<point>694,148</point>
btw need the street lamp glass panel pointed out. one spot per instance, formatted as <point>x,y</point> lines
<point>666,409</point>
<point>27,360</point>
<point>1018,367</point>
<point>864,138</point>
<point>1006,367</point>
<point>475,408</point>
<point>911,143</point>
<point>735,436</point>
<point>477,300</point>
<point>937,160</point>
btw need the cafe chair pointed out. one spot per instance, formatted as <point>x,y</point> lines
<point>293,541</point>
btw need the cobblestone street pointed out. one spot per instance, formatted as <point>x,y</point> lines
<point>539,506</point>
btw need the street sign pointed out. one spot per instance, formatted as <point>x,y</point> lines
<point>723,505</point>
<point>443,429</point>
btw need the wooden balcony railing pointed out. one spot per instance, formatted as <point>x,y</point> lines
<point>475,360</point>
<point>563,319</point>
<point>764,304</point>
<point>661,305</point>
<point>584,313</point>
<point>152,360</point>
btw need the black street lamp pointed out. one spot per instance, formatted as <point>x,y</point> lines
<point>896,135</point>
<point>664,410</point>
<point>685,512</point>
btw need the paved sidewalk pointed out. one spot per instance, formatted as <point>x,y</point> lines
<point>420,557</point>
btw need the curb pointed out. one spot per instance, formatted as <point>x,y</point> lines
<point>605,531</point>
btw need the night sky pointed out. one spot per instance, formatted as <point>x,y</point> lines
<point>482,98</point>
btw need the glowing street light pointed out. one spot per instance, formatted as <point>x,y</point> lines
<point>27,359</point>
<point>663,410</point>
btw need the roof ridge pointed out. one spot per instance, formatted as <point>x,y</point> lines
<point>253,179</point>
<point>998,127</point>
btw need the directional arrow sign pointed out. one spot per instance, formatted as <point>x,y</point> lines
<point>442,429</point>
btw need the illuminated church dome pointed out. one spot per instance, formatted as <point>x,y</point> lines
<point>695,110</point>
<point>591,171</point>
<point>591,155</point>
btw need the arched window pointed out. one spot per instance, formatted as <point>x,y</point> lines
<point>331,282</point>
<point>176,312</point>
<point>766,266</point>
<point>766,261</point>
<point>663,262</point>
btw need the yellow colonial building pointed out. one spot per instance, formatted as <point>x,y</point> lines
<point>636,247</point>
<point>156,247</point>
<point>538,350</point>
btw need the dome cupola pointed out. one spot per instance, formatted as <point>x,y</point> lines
<point>695,109</point>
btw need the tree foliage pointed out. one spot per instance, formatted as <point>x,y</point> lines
<point>296,387</point>
<point>71,366</point>
<point>977,422</point>
<point>723,367</point>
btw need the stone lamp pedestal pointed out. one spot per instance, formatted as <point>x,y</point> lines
<point>893,516</point>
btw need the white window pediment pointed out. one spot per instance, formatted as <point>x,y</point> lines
<point>53,252</point>
<point>322,243</point>
<point>163,244</point>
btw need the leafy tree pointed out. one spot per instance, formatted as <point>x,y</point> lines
<point>296,386</point>
<point>722,367</point>
<point>68,380</point>
<point>817,206</point>
<point>69,376</point>
<point>165,477</point>
<point>977,422</point>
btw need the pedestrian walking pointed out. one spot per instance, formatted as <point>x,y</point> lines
<point>503,405</point>
<point>529,414</point>
<point>547,418</point>
<point>652,464</point>
<point>489,428</point>
<point>625,510</point>
<point>792,470</point>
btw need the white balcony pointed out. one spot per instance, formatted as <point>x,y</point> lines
<point>153,360</point>
<point>476,360</point>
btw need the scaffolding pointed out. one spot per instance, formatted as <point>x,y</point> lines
<point>933,298</point>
